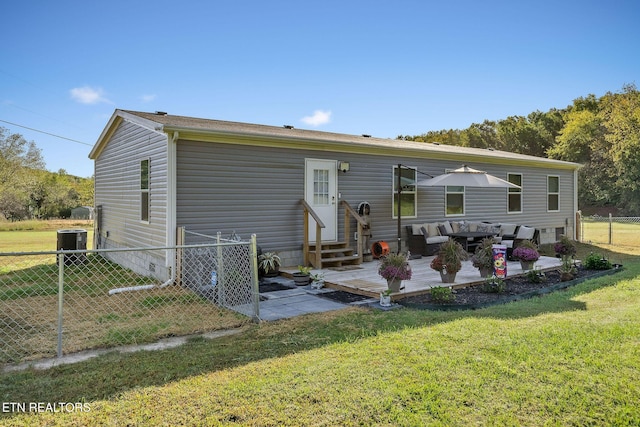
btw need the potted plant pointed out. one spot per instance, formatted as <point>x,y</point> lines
<point>567,271</point>
<point>394,268</point>
<point>385,298</point>
<point>482,259</point>
<point>527,253</point>
<point>565,248</point>
<point>317,281</point>
<point>449,259</point>
<point>302,276</point>
<point>269,264</point>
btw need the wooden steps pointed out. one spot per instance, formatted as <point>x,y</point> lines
<point>333,254</point>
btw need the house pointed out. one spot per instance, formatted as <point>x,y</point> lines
<point>155,172</point>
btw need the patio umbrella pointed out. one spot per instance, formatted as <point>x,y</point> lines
<point>467,177</point>
<point>464,177</point>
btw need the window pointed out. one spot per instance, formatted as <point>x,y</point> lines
<point>553,193</point>
<point>320,187</point>
<point>409,196</point>
<point>514,195</point>
<point>144,190</point>
<point>454,197</point>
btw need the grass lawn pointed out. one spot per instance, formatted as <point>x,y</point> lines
<point>622,234</point>
<point>35,236</point>
<point>568,358</point>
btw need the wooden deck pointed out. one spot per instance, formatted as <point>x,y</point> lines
<point>363,279</point>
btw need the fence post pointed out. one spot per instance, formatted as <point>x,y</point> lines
<point>220,264</point>
<point>578,230</point>
<point>610,229</point>
<point>253,253</point>
<point>60,299</point>
<point>180,241</point>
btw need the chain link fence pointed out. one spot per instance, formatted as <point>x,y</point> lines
<point>54,303</point>
<point>610,230</point>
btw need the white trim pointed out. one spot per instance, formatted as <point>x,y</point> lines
<point>549,193</point>
<point>394,192</point>
<point>464,200</point>
<point>145,190</point>
<point>520,192</point>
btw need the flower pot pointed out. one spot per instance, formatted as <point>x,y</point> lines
<point>317,284</point>
<point>301,279</point>
<point>526,265</point>
<point>447,277</point>
<point>394,284</point>
<point>272,273</point>
<point>485,271</point>
<point>385,300</point>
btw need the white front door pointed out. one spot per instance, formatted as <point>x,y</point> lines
<point>321,192</point>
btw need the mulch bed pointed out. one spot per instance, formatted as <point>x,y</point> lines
<point>343,297</point>
<point>516,288</point>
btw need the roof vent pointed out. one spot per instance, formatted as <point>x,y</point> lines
<point>161,113</point>
<point>287,127</point>
<point>366,136</point>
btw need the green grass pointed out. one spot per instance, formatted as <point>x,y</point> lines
<point>622,234</point>
<point>568,358</point>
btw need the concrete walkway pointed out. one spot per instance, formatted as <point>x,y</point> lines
<point>295,302</point>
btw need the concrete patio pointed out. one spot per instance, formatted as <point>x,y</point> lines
<point>363,279</point>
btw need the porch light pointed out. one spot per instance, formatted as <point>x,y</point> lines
<point>344,166</point>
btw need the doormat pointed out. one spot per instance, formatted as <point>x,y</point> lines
<point>344,297</point>
<point>346,268</point>
<point>272,287</point>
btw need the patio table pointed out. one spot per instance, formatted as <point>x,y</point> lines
<point>470,239</point>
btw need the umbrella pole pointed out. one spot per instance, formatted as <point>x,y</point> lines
<point>399,211</point>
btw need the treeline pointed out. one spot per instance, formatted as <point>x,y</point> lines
<point>602,133</point>
<point>28,190</point>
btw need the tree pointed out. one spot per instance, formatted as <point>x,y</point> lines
<point>621,117</point>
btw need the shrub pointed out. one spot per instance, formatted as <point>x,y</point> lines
<point>596,262</point>
<point>442,294</point>
<point>494,285</point>
<point>534,276</point>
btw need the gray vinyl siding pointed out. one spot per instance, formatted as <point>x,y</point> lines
<point>245,189</point>
<point>226,188</point>
<point>117,187</point>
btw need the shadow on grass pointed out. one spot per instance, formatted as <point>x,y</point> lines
<point>112,374</point>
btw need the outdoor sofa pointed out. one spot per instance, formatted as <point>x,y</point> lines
<point>425,238</point>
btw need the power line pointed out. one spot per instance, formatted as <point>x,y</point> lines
<point>47,133</point>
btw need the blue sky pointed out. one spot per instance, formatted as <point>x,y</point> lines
<point>384,68</point>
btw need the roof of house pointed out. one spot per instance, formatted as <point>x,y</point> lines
<point>191,128</point>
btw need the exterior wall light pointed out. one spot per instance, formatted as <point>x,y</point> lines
<point>344,166</point>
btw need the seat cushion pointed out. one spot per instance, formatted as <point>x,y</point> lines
<point>437,239</point>
<point>447,226</point>
<point>525,232</point>
<point>507,229</point>
<point>415,229</point>
<point>432,229</point>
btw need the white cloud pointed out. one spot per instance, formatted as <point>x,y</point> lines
<point>318,118</point>
<point>88,95</point>
<point>148,98</point>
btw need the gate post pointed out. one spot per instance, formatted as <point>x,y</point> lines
<point>61,261</point>
<point>253,253</point>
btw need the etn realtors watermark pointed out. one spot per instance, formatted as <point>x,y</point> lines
<point>55,407</point>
